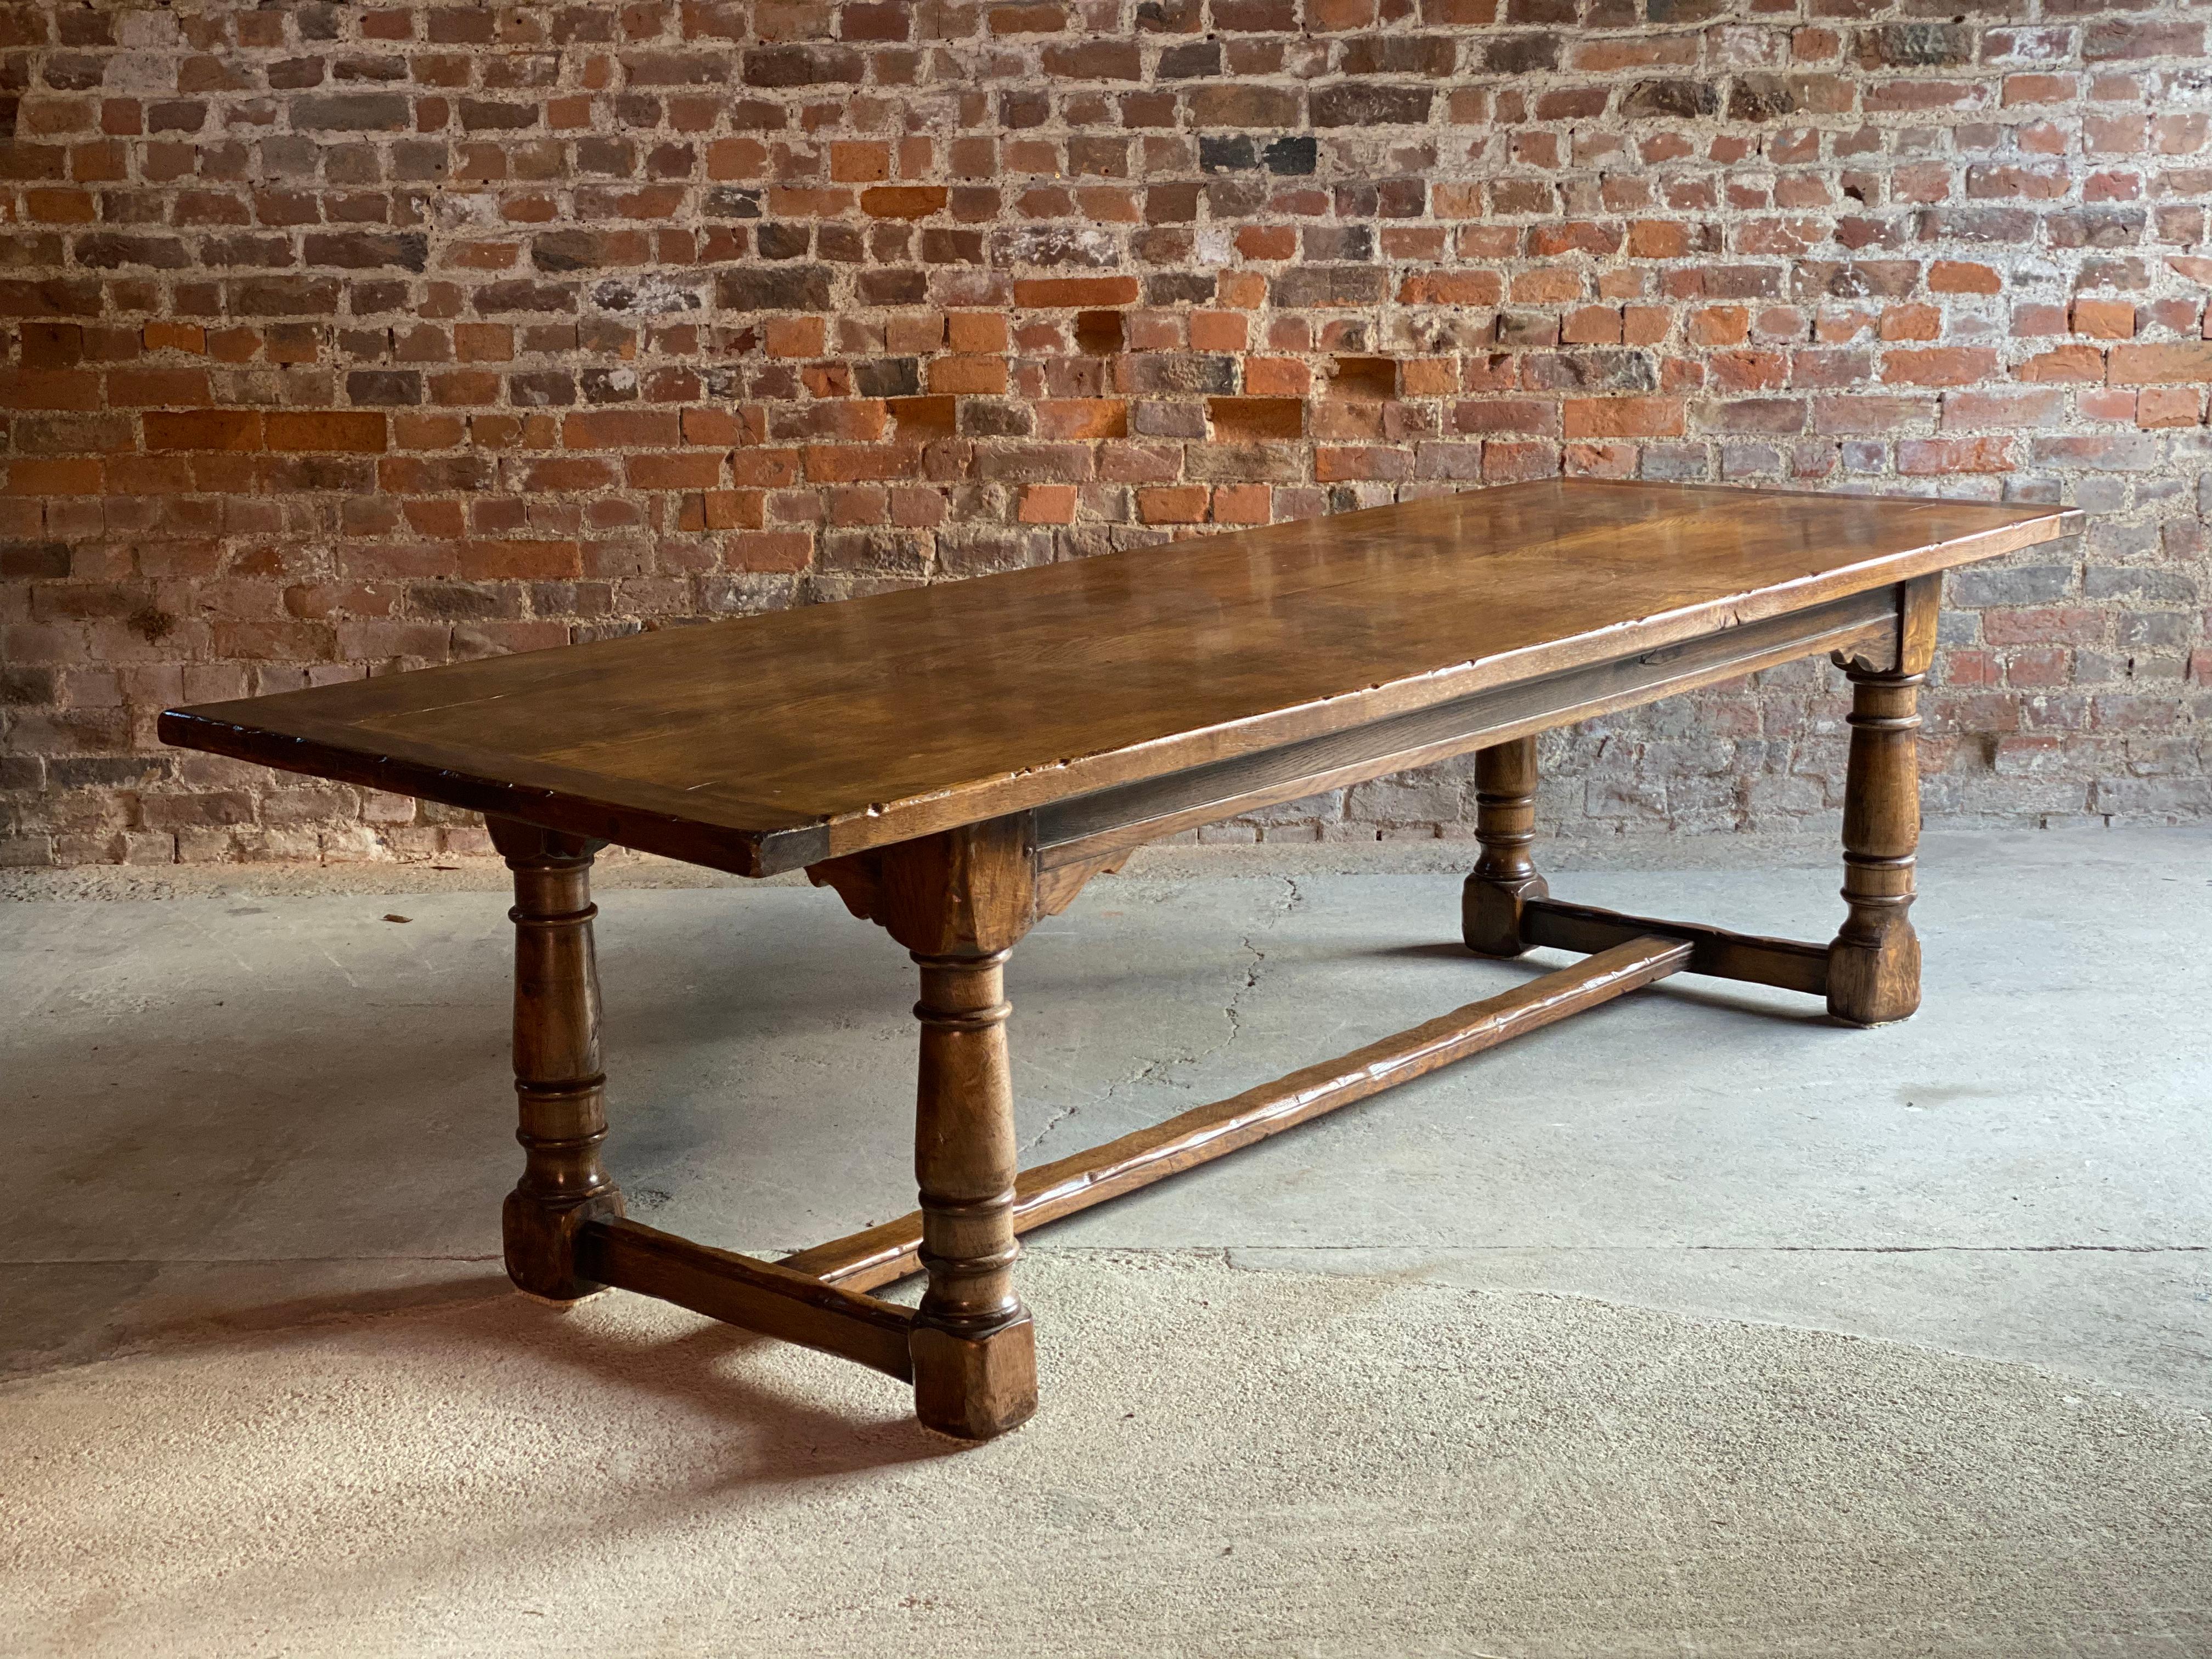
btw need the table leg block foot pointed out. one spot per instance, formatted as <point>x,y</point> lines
<point>976,1388</point>
<point>1490,916</point>
<point>1876,987</point>
<point>540,1245</point>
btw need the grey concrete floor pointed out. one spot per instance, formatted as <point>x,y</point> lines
<point>261,1105</point>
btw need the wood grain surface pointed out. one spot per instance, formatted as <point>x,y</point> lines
<point>769,742</point>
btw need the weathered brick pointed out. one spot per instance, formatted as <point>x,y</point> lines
<point>204,428</point>
<point>687,345</point>
<point>2152,365</point>
<point>1060,293</point>
<point>1361,104</point>
<point>1624,417</point>
<point>775,287</point>
<point>353,112</point>
<point>359,431</point>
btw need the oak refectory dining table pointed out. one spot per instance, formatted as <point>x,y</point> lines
<point>957,760</point>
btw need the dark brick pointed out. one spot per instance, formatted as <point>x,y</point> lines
<point>1199,57</point>
<point>353,112</point>
<point>1521,54</point>
<point>29,687</point>
<point>107,251</point>
<point>364,250</point>
<point>1169,16</point>
<point>1229,152</point>
<point>893,287</point>
<point>1398,54</point>
<point>461,601</point>
<point>1679,101</point>
<point>1329,285</point>
<point>1916,45</point>
<point>687,69</point>
<point>397,386</point>
<point>543,388</point>
<point>991,417</point>
<point>793,287</point>
<point>887,377</point>
<point>1760,98</point>
<point>109,771</point>
<point>283,296</point>
<point>784,241</point>
<point>732,202</point>
<point>1359,105</point>
<point>74,71</point>
<point>1232,106</point>
<point>801,66</point>
<point>556,252</point>
<point>497,298</point>
<point>1179,287</point>
<point>31,559</point>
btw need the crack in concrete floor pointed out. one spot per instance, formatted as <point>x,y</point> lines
<point>1160,1068</point>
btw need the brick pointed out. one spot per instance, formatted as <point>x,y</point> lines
<point>1064,293</point>
<point>903,201</point>
<point>1938,366</point>
<point>2169,406</point>
<point>352,431</point>
<point>1082,418</point>
<point>1937,456</point>
<point>1963,277</point>
<point>1048,504</point>
<point>2152,365</point>
<point>2105,319</point>
<point>623,429</point>
<point>796,337</point>
<point>1624,417</point>
<point>1242,504</point>
<point>2077,363</point>
<point>1243,418</point>
<point>1176,504</point>
<point>984,375</point>
<point>204,428</point>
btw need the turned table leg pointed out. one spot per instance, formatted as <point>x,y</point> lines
<point>958,901</point>
<point>1504,825</point>
<point>1874,965</point>
<point>975,1348</point>
<point>558,1084</point>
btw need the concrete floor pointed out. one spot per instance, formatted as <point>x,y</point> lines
<point>252,1107</point>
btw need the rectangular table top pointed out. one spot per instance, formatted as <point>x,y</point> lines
<point>778,741</point>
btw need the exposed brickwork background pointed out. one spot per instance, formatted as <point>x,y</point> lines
<point>345,338</point>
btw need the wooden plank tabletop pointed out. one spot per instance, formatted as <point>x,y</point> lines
<point>764,743</point>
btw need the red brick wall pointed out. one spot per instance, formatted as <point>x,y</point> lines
<point>346,338</point>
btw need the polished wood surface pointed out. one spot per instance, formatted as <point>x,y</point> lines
<point>1790,964</point>
<point>761,1296</point>
<point>1051,1191</point>
<point>1130,815</point>
<point>559,1088</point>
<point>772,742</point>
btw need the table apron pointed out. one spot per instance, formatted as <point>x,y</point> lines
<point>1085,828</point>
